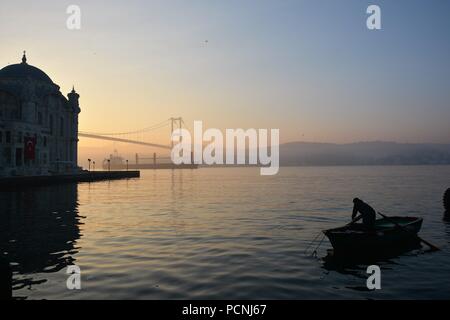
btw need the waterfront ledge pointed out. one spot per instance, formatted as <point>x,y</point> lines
<point>84,176</point>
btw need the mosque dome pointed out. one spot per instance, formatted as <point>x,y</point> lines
<point>24,71</point>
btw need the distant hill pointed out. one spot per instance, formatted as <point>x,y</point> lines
<point>363,153</point>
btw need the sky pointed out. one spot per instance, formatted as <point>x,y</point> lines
<point>310,68</point>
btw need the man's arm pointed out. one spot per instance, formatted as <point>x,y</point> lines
<point>355,212</point>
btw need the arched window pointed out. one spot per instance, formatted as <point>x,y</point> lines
<point>9,106</point>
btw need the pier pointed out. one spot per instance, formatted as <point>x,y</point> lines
<point>83,176</point>
<point>116,162</point>
<point>160,166</point>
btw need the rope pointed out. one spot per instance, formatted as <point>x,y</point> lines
<point>314,253</point>
<point>312,242</point>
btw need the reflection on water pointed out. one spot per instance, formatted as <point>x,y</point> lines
<point>38,232</point>
<point>356,265</point>
<point>5,280</point>
<point>219,234</point>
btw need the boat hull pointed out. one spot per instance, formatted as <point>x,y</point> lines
<point>385,237</point>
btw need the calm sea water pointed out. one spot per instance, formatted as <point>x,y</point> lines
<point>219,234</point>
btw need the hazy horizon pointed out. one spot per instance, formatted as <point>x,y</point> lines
<point>309,68</point>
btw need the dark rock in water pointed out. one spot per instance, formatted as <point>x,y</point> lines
<point>447,201</point>
<point>5,280</point>
<point>447,216</point>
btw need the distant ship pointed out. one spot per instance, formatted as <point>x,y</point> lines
<point>117,162</point>
<point>114,162</point>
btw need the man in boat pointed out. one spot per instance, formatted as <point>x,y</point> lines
<point>368,214</point>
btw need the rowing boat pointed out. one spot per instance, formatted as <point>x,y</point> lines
<point>386,235</point>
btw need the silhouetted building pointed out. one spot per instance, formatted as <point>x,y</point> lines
<point>38,125</point>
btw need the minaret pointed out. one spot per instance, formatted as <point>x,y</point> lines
<point>73,100</point>
<point>74,105</point>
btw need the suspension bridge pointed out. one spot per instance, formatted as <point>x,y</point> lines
<point>138,137</point>
<point>124,137</point>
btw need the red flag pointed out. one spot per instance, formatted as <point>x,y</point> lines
<point>30,146</point>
